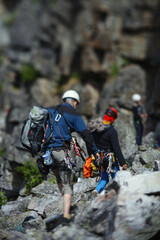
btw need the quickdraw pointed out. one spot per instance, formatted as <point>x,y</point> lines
<point>111,160</point>
<point>77,148</point>
<point>107,162</point>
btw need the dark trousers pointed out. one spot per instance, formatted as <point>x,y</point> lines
<point>139,132</point>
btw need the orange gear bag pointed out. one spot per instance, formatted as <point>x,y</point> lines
<point>87,167</point>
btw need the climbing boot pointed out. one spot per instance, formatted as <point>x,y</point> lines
<point>142,148</point>
<point>53,222</point>
<point>94,193</point>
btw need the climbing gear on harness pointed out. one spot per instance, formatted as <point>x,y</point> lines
<point>111,162</point>
<point>47,158</point>
<point>107,161</point>
<point>87,167</point>
<point>77,148</point>
<point>43,169</point>
<point>91,167</point>
<point>94,167</point>
<point>68,161</point>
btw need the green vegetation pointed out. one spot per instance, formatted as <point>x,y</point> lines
<point>31,174</point>
<point>3,199</point>
<point>52,180</point>
<point>28,73</point>
<point>76,75</point>
<point>10,18</point>
<point>115,69</point>
<point>58,84</point>
<point>1,152</point>
<point>116,66</point>
<point>149,165</point>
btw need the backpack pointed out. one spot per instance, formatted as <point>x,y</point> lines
<point>34,128</point>
<point>96,125</point>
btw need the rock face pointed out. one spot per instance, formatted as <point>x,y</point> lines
<point>101,37</point>
<point>99,57</point>
<point>105,50</point>
<point>137,199</point>
<point>128,209</point>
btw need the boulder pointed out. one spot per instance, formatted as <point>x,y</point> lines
<point>149,156</point>
<point>15,207</point>
<point>147,183</point>
<point>137,215</point>
<point>71,233</point>
<point>46,200</point>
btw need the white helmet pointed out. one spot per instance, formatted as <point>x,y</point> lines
<point>136,97</point>
<point>71,94</point>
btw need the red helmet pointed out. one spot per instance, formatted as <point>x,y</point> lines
<point>110,114</point>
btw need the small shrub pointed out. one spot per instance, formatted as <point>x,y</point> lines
<point>10,18</point>
<point>1,152</point>
<point>52,180</point>
<point>31,174</point>
<point>28,73</point>
<point>76,75</point>
<point>3,199</point>
<point>116,66</point>
<point>149,165</point>
<point>114,69</point>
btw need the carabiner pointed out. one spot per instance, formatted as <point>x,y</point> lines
<point>58,117</point>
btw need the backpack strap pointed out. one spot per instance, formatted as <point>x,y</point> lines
<point>60,111</point>
<point>50,119</point>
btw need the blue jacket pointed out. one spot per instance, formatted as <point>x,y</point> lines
<point>62,128</point>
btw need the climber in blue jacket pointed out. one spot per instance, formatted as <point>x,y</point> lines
<point>65,120</point>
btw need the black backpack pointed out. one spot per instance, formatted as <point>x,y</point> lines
<point>34,128</point>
